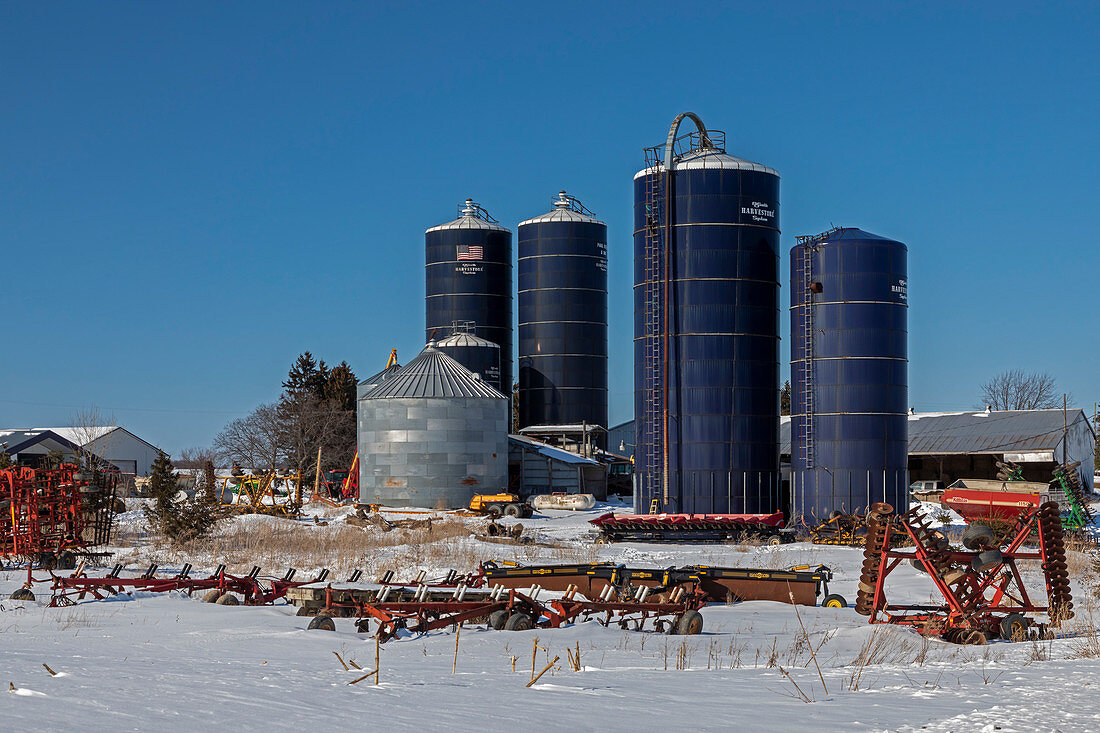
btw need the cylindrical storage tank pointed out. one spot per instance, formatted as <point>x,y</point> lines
<point>563,317</point>
<point>706,329</point>
<point>849,373</point>
<point>469,278</point>
<point>432,435</point>
<point>480,356</point>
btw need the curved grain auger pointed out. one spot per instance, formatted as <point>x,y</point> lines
<point>1056,574</point>
<point>878,527</point>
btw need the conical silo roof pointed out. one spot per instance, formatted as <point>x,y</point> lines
<point>433,374</point>
<point>470,216</point>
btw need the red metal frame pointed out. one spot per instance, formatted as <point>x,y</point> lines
<point>422,616</point>
<point>49,511</point>
<point>974,600</point>
<point>254,589</point>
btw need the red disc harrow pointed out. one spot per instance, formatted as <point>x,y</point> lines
<point>984,594</point>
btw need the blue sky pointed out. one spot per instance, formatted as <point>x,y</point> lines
<point>191,195</point>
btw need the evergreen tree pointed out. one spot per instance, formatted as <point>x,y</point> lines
<point>179,521</point>
<point>785,399</point>
<point>340,387</point>
<point>162,479</point>
<point>307,377</point>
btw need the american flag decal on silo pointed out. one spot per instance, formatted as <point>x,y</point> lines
<point>469,252</point>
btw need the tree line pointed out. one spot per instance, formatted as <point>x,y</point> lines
<point>315,410</point>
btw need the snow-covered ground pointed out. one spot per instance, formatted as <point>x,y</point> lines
<point>175,664</point>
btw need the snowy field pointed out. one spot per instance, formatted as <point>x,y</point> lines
<point>171,663</point>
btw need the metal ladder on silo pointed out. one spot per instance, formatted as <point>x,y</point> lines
<point>806,280</point>
<point>652,356</point>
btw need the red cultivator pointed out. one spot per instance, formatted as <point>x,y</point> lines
<point>983,591</point>
<point>49,516</point>
<point>221,587</point>
<point>504,609</point>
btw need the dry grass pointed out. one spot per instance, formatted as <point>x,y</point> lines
<point>275,544</point>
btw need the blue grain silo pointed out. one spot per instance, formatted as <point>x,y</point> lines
<point>468,277</point>
<point>563,317</point>
<point>849,373</point>
<point>706,328</point>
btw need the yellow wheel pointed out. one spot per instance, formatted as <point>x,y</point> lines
<point>834,600</point>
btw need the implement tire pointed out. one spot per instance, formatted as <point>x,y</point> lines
<point>518,622</point>
<point>690,623</point>
<point>321,622</point>
<point>977,536</point>
<point>1013,627</point>
<point>228,599</point>
<point>497,619</point>
<point>22,594</point>
<point>513,510</point>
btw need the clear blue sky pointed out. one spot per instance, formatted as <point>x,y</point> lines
<point>191,195</point>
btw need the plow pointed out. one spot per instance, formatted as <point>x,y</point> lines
<point>52,516</point>
<point>983,591</point>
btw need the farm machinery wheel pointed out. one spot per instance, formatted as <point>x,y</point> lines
<point>1013,627</point>
<point>228,599</point>
<point>22,594</point>
<point>518,622</point>
<point>834,600</point>
<point>978,536</point>
<point>322,622</point>
<point>690,623</point>
<point>212,596</point>
<point>497,619</point>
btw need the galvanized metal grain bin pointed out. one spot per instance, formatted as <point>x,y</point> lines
<point>432,435</point>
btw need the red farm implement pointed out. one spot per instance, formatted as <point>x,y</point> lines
<point>983,590</point>
<point>692,527</point>
<point>505,609</point>
<point>220,587</point>
<point>50,516</point>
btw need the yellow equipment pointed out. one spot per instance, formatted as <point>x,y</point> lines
<point>497,505</point>
<point>269,493</point>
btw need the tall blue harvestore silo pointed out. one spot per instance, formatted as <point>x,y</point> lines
<point>849,373</point>
<point>706,328</point>
<point>562,263</point>
<point>469,280</point>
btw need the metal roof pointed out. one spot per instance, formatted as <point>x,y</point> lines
<point>382,375</point>
<point>565,428</point>
<point>557,454</point>
<point>20,439</point>
<point>954,433</point>
<point>710,158</point>
<point>565,209</point>
<point>465,339</point>
<point>471,216</point>
<point>844,234</point>
<point>433,374</point>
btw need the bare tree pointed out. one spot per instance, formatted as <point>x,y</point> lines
<point>1014,389</point>
<point>196,458</point>
<point>308,422</point>
<point>91,425</point>
<point>253,441</point>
